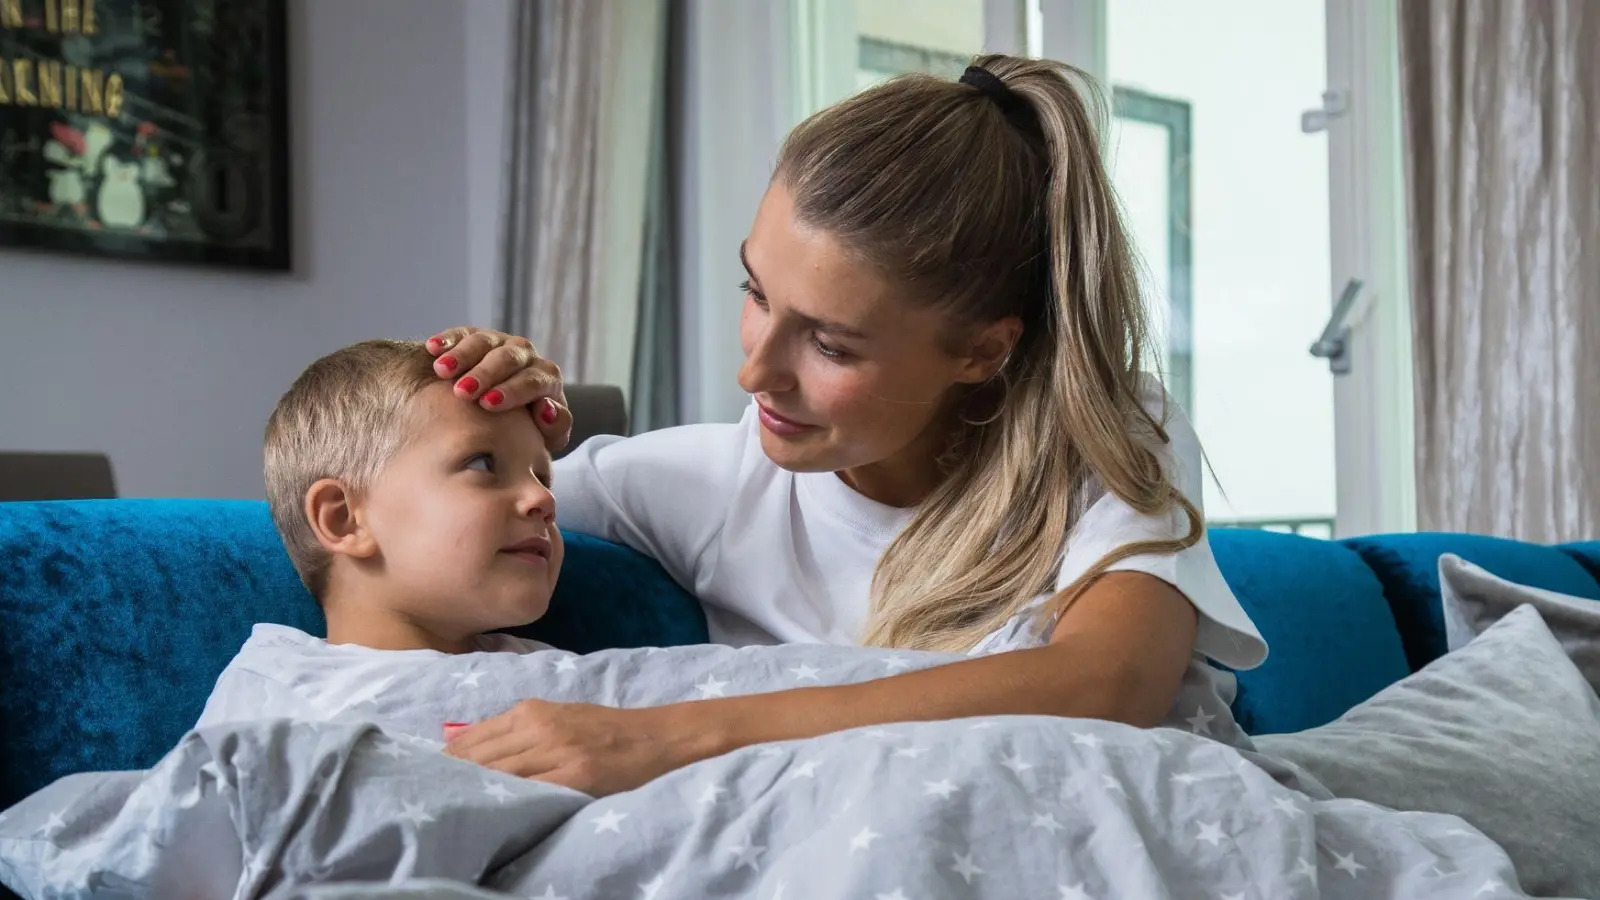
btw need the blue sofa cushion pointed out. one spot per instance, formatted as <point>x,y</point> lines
<point>1587,554</point>
<point>1408,566</point>
<point>1331,636</point>
<point>117,616</point>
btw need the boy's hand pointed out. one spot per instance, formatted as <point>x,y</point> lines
<point>598,750</point>
<point>502,371</point>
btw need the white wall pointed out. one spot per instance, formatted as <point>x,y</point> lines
<point>173,370</point>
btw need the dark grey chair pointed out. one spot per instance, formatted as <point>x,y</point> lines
<point>596,409</point>
<point>56,476</point>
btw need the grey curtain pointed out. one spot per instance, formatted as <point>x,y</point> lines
<point>551,222</point>
<point>1501,106</point>
<point>656,358</point>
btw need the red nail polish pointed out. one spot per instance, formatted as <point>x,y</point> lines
<point>449,363</point>
<point>547,412</point>
<point>468,385</point>
<point>433,343</point>
<point>494,398</point>
<point>455,724</point>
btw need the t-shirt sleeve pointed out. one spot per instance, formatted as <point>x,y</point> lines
<point>1226,633</point>
<point>242,695</point>
<point>664,493</point>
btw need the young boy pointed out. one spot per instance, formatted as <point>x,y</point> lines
<point>417,521</point>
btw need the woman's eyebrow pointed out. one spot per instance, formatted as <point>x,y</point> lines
<point>745,261</point>
<point>824,325</point>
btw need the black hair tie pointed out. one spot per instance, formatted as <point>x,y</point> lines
<point>1014,107</point>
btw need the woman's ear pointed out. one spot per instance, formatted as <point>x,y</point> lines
<point>336,520</point>
<point>988,349</point>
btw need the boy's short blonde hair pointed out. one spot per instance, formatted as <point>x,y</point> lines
<point>345,417</point>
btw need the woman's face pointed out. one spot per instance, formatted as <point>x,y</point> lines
<point>850,375</point>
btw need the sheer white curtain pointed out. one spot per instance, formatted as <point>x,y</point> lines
<point>1501,104</point>
<point>585,74</point>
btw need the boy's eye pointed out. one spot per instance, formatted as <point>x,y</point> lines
<point>483,462</point>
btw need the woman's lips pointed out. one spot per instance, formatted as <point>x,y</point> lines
<point>778,425</point>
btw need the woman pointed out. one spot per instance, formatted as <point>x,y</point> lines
<point>952,445</point>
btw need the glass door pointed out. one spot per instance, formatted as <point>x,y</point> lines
<point>1227,200</point>
<point>1254,146</point>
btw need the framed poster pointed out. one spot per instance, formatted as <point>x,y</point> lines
<point>146,129</point>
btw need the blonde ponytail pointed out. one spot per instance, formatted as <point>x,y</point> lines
<point>989,216</point>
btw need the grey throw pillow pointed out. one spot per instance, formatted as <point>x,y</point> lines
<point>1475,599</point>
<point>1504,733</point>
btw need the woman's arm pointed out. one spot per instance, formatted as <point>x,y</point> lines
<point>1119,653</point>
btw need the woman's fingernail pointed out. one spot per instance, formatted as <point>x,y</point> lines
<point>433,344</point>
<point>449,363</point>
<point>494,398</point>
<point>468,385</point>
<point>547,412</point>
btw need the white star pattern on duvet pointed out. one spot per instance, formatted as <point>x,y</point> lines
<point>1347,864</point>
<point>549,894</point>
<point>53,824</point>
<point>711,687</point>
<point>649,889</point>
<point>708,796</point>
<point>747,854</point>
<point>1211,833</point>
<point>497,790</point>
<point>468,679</point>
<point>1092,741</point>
<point>391,749</point>
<point>567,664</point>
<point>610,820</point>
<point>1286,806</point>
<point>805,770</point>
<point>804,672</point>
<point>1016,764</point>
<point>1306,869</point>
<point>1488,887</point>
<point>416,814</point>
<point>911,752</point>
<point>1072,892</point>
<point>1200,722</point>
<point>1047,821</point>
<point>896,664</point>
<point>863,839</point>
<point>942,787</point>
<point>965,867</point>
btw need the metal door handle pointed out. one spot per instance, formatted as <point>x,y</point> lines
<point>1333,345</point>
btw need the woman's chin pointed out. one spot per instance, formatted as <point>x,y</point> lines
<point>802,453</point>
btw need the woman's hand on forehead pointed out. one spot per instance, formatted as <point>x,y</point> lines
<point>504,372</point>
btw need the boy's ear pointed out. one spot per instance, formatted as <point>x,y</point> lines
<point>336,520</point>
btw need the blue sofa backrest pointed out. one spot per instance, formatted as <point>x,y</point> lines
<point>117,615</point>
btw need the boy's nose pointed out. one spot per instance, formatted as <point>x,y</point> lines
<point>536,501</point>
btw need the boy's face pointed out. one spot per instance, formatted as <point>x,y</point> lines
<point>464,519</point>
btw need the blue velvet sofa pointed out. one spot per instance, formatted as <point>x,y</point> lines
<point>117,615</point>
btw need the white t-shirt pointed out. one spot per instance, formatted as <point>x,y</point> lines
<point>778,556</point>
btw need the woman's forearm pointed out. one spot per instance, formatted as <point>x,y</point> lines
<point>1063,679</point>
